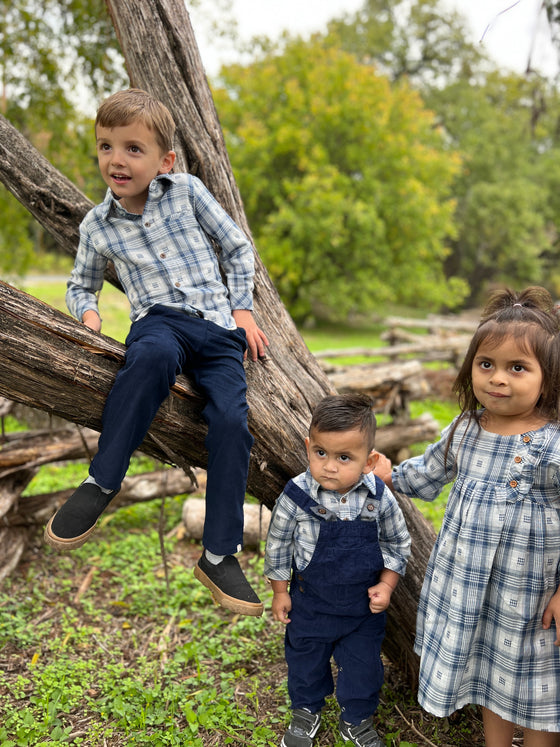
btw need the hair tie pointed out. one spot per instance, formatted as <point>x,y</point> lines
<point>517,304</point>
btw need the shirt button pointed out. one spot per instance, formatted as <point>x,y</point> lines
<point>322,510</point>
<point>518,459</point>
<point>513,483</point>
<point>147,224</point>
<point>177,284</point>
<point>343,500</point>
<point>162,255</point>
<point>526,439</point>
<point>370,506</point>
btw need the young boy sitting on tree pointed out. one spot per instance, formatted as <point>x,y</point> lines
<point>339,534</point>
<point>156,226</point>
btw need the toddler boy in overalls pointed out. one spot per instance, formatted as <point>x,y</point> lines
<point>341,537</point>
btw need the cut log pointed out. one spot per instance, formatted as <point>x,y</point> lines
<point>257,521</point>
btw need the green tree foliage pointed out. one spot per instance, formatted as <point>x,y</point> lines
<point>507,191</point>
<point>345,181</point>
<point>49,51</point>
<point>505,126</point>
<point>422,41</point>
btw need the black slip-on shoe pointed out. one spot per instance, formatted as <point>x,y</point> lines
<point>360,735</point>
<point>303,727</point>
<point>75,521</point>
<point>228,585</point>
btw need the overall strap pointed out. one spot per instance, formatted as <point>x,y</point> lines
<point>302,499</point>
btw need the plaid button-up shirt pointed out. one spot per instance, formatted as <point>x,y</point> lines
<point>165,255</point>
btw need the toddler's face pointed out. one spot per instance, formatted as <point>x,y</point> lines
<point>507,381</point>
<point>337,459</point>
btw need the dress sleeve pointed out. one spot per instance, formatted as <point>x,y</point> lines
<point>425,476</point>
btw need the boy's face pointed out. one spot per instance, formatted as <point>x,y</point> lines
<point>337,459</point>
<point>129,158</point>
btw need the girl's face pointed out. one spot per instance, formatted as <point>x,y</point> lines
<point>507,381</point>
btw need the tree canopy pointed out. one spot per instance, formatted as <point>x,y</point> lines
<point>345,178</point>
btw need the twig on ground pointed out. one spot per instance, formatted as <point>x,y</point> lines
<point>410,725</point>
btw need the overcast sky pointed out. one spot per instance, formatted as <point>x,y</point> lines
<point>507,36</point>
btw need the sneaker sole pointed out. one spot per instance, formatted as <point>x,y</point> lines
<point>234,605</point>
<point>61,543</point>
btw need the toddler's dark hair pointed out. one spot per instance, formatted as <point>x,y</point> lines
<point>532,318</point>
<point>345,412</point>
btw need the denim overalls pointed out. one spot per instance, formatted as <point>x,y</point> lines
<point>330,613</point>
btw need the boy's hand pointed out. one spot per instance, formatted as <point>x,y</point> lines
<point>281,606</point>
<point>256,338</point>
<point>92,320</point>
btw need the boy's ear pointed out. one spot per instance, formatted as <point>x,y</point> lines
<point>167,162</point>
<point>373,456</point>
<point>307,446</point>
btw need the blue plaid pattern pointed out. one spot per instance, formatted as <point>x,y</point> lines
<point>492,572</point>
<point>165,256</point>
<point>293,533</point>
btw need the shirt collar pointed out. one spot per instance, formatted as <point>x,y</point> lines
<point>156,190</point>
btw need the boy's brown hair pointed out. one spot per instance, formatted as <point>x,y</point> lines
<point>134,105</point>
<point>346,412</point>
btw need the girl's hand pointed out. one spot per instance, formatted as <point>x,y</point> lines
<point>383,469</point>
<point>552,612</point>
<point>281,606</point>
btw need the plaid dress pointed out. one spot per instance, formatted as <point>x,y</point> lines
<point>491,574</point>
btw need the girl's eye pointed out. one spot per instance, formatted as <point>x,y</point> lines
<point>518,368</point>
<point>344,458</point>
<point>134,149</point>
<point>485,365</point>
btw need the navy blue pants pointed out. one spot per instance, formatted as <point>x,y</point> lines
<point>159,346</point>
<point>355,644</point>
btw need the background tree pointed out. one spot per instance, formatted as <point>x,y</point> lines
<point>504,125</point>
<point>345,178</point>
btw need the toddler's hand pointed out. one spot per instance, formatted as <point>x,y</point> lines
<point>281,606</point>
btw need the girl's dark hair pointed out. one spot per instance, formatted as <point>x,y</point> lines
<point>345,412</point>
<point>532,318</point>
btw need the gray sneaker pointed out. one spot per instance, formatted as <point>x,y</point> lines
<point>303,727</point>
<point>361,735</point>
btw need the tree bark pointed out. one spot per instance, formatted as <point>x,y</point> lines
<point>50,361</point>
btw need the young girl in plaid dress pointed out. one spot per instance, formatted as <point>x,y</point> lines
<point>488,628</point>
